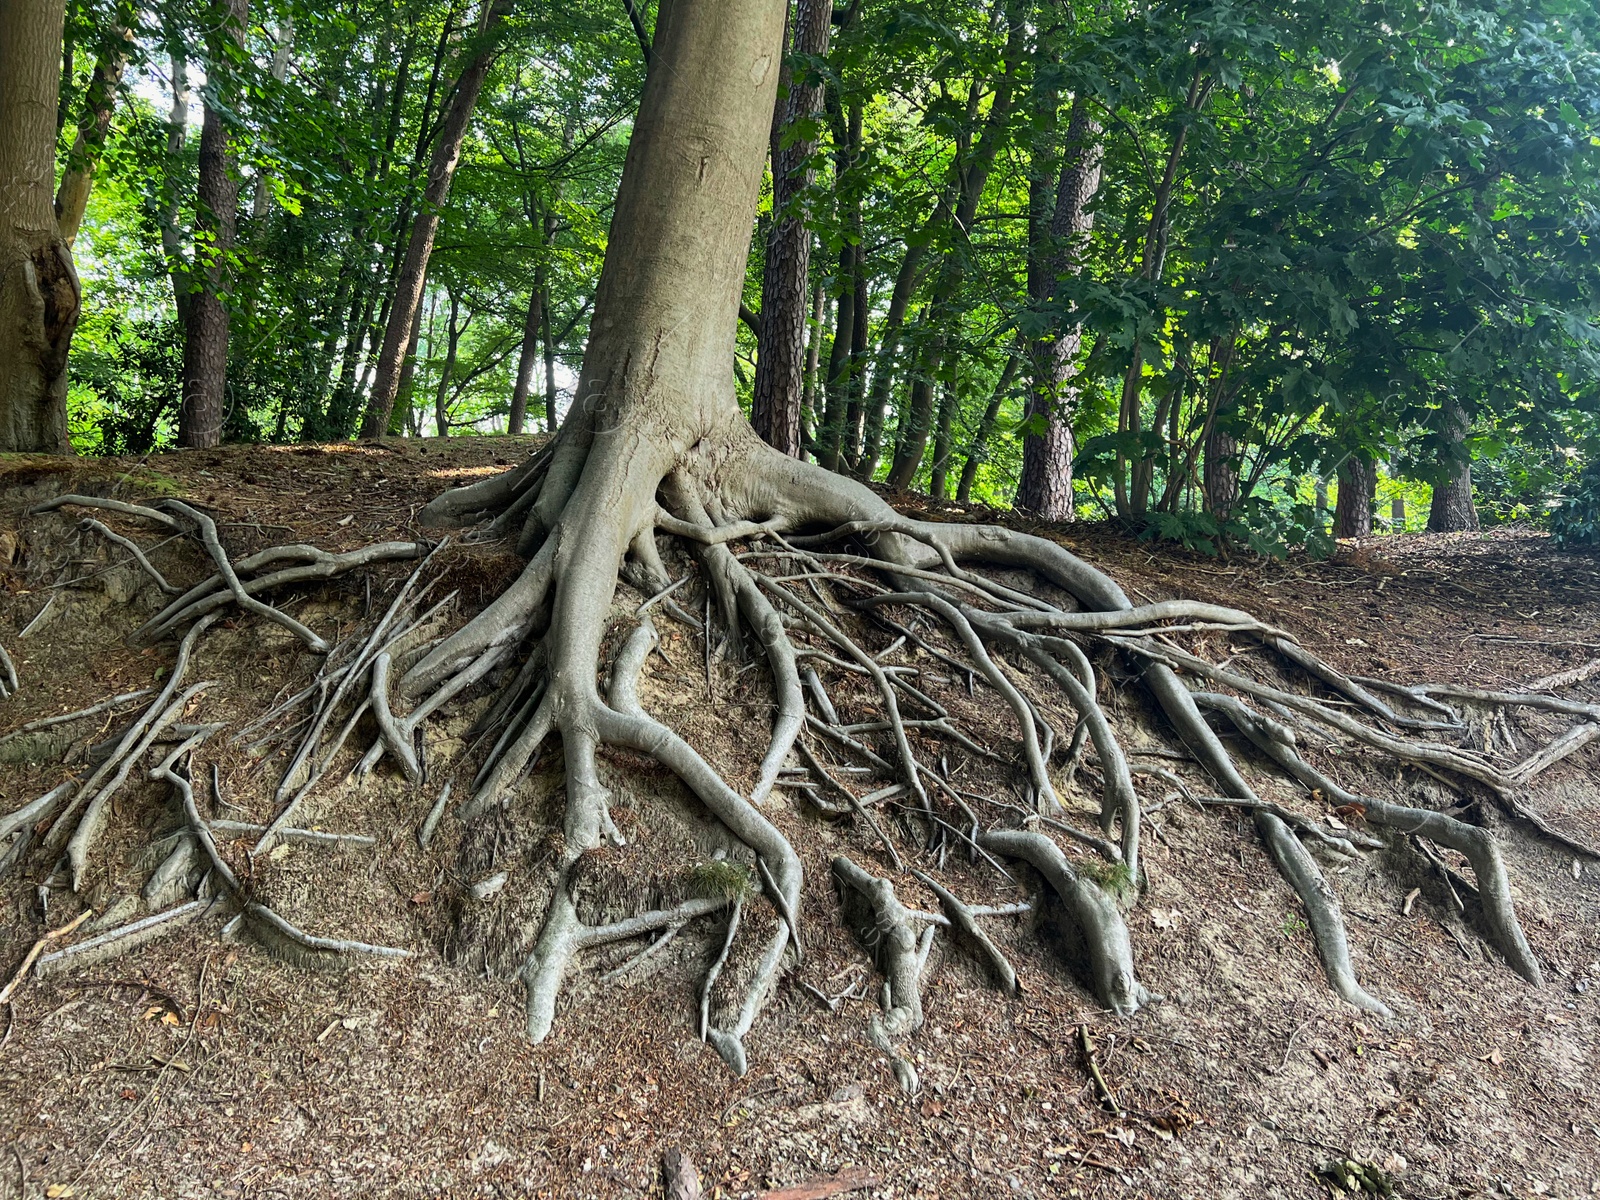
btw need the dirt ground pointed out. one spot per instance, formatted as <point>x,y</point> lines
<point>199,1065</point>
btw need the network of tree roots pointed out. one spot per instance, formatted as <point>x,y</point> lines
<point>886,643</point>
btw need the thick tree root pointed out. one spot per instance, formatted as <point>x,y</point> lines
<point>1094,918</point>
<point>884,926</point>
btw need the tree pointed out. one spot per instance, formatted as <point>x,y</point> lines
<point>484,47</point>
<point>1358,482</point>
<point>654,448</point>
<point>205,342</point>
<point>39,294</point>
<point>1048,450</point>
<point>72,197</point>
<point>1452,510</point>
<point>780,366</point>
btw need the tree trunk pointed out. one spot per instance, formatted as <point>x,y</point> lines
<point>441,395</point>
<point>1046,484</point>
<point>1452,509</point>
<point>1221,474</point>
<point>944,431</point>
<point>1352,511</point>
<point>551,417</point>
<point>279,70</point>
<point>441,171</point>
<point>529,357</point>
<point>830,433</point>
<point>205,343</point>
<point>39,293</point>
<point>171,205</point>
<point>1397,505</point>
<point>99,103</point>
<point>780,359</point>
<point>808,395</point>
<point>973,176</point>
<point>979,452</point>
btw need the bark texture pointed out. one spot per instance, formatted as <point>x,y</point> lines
<point>780,362</point>
<point>1453,509</point>
<point>1046,483</point>
<point>205,343</point>
<point>1358,483</point>
<point>441,172</point>
<point>39,293</point>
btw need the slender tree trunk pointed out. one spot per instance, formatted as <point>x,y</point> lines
<point>39,293</point>
<point>99,103</point>
<point>1046,484</point>
<point>441,171</point>
<point>1352,512</point>
<point>943,448</point>
<point>978,454</point>
<point>1221,474</point>
<point>279,69</point>
<point>1133,495</point>
<point>780,359</point>
<point>1397,505</point>
<point>404,417</point>
<point>883,372</point>
<point>1453,509</point>
<point>973,175</point>
<point>808,396</point>
<point>205,343</point>
<point>171,205</point>
<point>529,358</point>
<point>835,390</point>
<point>551,417</point>
<point>441,407</point>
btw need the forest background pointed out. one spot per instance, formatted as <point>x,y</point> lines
<point>1249,272</point>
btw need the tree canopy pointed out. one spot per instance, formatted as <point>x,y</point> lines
<point>1343,247</point>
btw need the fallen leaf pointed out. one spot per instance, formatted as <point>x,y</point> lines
<point>129,1094</point>
<point>59,1191</point>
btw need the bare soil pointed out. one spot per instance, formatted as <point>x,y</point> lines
<point>195,1066</point>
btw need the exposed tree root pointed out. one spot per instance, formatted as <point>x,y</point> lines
<point>800,570</point>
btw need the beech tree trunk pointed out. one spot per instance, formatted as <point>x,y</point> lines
<point>39,293</point>
<point>425,227</point>
<point>780,361</point>
<point>1358,484</point>
<point>1453,509</point>
<point>205,343</point>
<point>1046,483</point>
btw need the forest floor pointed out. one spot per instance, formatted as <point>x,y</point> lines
<point>194,1066</point>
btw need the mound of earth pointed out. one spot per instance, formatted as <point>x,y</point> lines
<point>210,1061</point>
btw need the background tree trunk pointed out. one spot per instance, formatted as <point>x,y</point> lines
<point>72,197</point>
<point>205,343</point>
<point>1452,508</point>
<point>979,452</point>
<point>780,360</point>
<point>1358,484</point>
<point>1221,474</point>
<point>414,270</point>
<point>529,358</point>
<point>171,206</point>
<point>1046,483</point>
<point>39,294</point>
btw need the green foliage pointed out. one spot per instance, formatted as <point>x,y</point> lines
<point>1321,232</point>
<point>1576,520</point>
